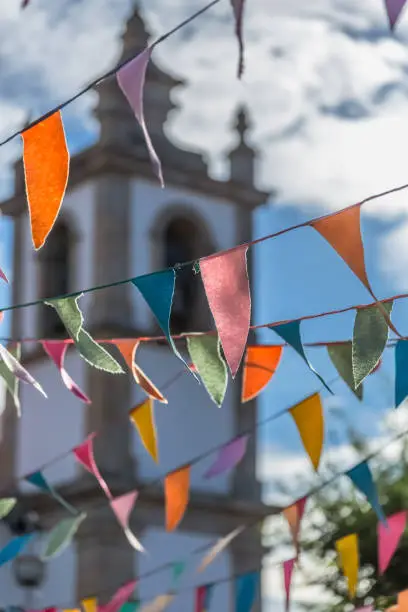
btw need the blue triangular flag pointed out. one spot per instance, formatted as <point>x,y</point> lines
<point>158,291</point>
<point>290,333</point>
<point>38,480</point>
<point>362,478</point>
<point>13,548</point>
<point>401,371</point>
<point>246,587</point>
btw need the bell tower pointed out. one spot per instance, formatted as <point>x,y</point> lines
<point>116,222</point>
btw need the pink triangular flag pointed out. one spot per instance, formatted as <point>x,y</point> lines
<point>121,596</point>
<point>131,78</point>
<point>56,351</point>
<point>85,455</point>
<point>238,8</point>
<point>389,535</point>
<point>226,286</point>
<point>287,575</point>
<point>365,609</point>
<point>394,10</point>
<point>122,507</point>
<point>3,276</point>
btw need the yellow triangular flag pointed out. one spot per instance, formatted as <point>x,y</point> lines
<point>142,417</point>
<point>347,549</point>
<point>308,416</point>
<point>90,604</point>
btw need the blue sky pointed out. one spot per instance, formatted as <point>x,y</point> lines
<point>327,89</point>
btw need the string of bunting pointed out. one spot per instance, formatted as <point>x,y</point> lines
<point>389,533</point>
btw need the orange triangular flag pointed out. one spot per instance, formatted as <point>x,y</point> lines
<point>46,167</point>
<point>403,601</point>
<point>308,416</point>
<point>343,232</point>
<point>294,514</point>
<point>142,417</point>
<point>128,349</point>
<point>176,490</point>
<point>261,363</point>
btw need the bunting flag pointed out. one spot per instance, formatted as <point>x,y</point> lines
<point>56,351</point>
<point>159,603</point>
<point>17,369</point>
<point>37,479</point>
<point>3,276</point>
<point>294,514</point>
<point>401,371</point>
<point>370,337</point>
<point>61,536</point>
<point>94,354</point>
<point>128,350</point>
<point>287,579</point>
<point>260,364</point>
<point>394,9</point>
<point>121,597</point>
<point>14,547</point>
<point>142,417</point>
<point>246,587</point>
<point>343,232</point>
<point>205,353</point>
<point>226,285</point>
<point>361,477</point>
<point>179,567</point>
<point>290,333</point>
<point>90,604</point>
<point>85,455</point>
<point>122,507</point>
<point>341,356</point>
<point>176,491</point>
<point>6,506</point>
<point>203,596</point>
<point>365,609</point>
<point>238,9</point>
<point>347,549</point>
<point>403,601</point>
<point>131,79</point>
<point>219,547</point>
<point>389,535</point>
<point>308,417</point>
<point>228,457</point>
<point>46,168</point>
<point>24,3</point>
<point>10,379</point>
<point>130,606</point>
<point>158,290</point>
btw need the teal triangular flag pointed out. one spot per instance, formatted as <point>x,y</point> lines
<point>401,371</point>
<point>290,333</point>
<point>362,479</point>
<point>38,480</point>
<point>246,587</point>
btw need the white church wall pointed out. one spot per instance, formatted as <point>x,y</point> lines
<point>149,201</point>
<point>78,208</point>
<point>180,546</point>
<point>187,426</point>
<point>50,426</point>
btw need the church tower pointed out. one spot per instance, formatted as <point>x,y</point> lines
<point>115,223</point>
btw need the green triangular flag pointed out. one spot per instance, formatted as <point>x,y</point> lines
<point>370,337</point>
<point>205,353</point>
<point>178,570</point>
<point>6,506</point>
<point>93,353</point>
<point>10,379</point>
<point>61,536</point>
<point>341,356</point>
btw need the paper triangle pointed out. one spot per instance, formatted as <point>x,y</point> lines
<point>46,168</point>
<point>142,417</point>
<point>389,536</point>
<point>128,350</point>
<point>308,416</point>
<point>203,596</point>
<point>177,491</point>
<point>370,337</point>
<point>401,369</point>
<point>343,232</point>
<point>219,547</point>
<point>402,605</point>
<point>205,353</point>
<point>121,596</point>
<point>228,457</point>
<point>362,478</point>
<point>287,578</point>
<point>246,587</point>
<point>294,514</point>
<point>89,604</point>
<point>394,9</point>
<point>260,364</point>
<point>56,351</point>
<point>341,356</point>
<point>226,285</point>
<point>122,507</point>
<point>131,78</point>
<point>85,455</point>
<point>347,549</point>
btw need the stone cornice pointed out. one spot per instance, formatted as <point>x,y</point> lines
<point>96,161</point>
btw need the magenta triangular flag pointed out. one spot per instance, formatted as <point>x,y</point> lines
<point>389,535</point>
<point>121,597</point>
<point>131,78</point>
<point>226,286</point>
<point>85,455</point>
<point>394,10</point>
<point>287,575</point>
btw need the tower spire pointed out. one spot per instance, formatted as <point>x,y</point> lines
<point>242,157</point>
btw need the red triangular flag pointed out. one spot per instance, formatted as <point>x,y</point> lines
<point>287,576</point>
